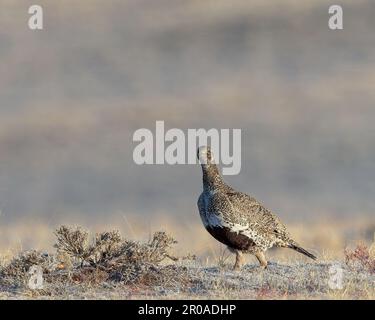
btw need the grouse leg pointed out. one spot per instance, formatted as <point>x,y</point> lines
<point>262,259</point>
<point>239,260</point>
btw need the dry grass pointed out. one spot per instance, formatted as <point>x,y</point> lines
<point>108,266</point>
<point>106,257</point>
<point>326,238</point>
<point>361,258</point>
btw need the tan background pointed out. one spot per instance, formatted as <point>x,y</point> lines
<point>72,95</point>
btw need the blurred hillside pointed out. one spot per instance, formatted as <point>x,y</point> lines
<point>72,95</point>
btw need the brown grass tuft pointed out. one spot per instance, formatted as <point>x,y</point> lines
<point>107,256</point>
<point>15,273</point>
<point>360,258</point>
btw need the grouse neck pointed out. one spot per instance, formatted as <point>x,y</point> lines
<point>211,177</point>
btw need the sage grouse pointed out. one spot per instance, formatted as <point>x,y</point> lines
<point>238,220</point>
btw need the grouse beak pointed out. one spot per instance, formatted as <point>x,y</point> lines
<point>203,154</point>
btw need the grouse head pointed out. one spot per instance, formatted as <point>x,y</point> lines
<point>211,175</point>
<point>205,156</point>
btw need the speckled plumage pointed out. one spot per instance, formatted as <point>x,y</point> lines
<point>237,219</point>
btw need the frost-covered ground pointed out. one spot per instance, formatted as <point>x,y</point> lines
<point>279,281</point>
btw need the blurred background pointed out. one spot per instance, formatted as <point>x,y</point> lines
<point>72,95</point>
